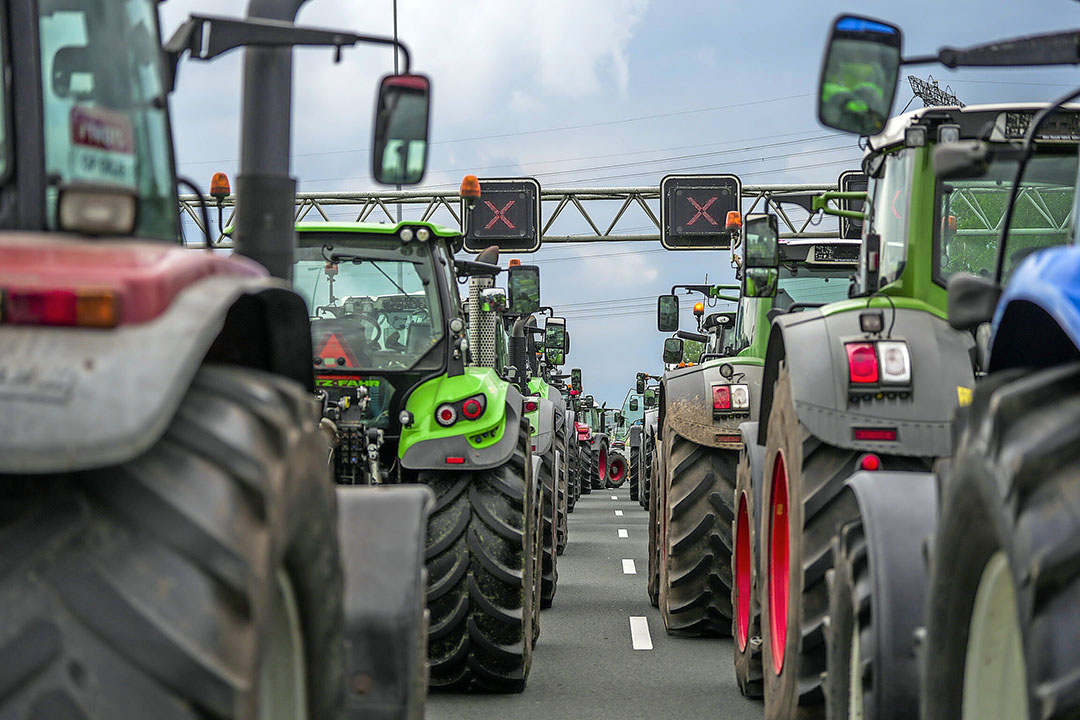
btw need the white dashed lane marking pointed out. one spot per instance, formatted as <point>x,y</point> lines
<point>623,533</point>
<point>640,638</point>
<point>618,513</point>
<point>628,567</point>
<point>614,497</point>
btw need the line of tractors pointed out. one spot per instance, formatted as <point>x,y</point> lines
<point>310,480</point>
<point>871,484</point>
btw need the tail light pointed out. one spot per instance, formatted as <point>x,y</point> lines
<point>731,397</point>
<point>870,462</point>
<point>69,308</point>
<point>531,406</point>
<point>862,363</point>
<point>446,415</point>
<point>876,434</point>
<point>721,397</point>
<point>473,407</point>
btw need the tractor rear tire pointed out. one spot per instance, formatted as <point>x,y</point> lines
<point>1004,586</point>
<point>655,494</point>
<point>154,587</point>
<point>573,492</point>
<point>549,569</point>
<point>481,575</point>
<point>634,472</point>
<point>646,481</point>
<point>563,482</point>
<point>585,469</point>
<point>802,476</point>
<point>746,625</point>
<point>698,497</point>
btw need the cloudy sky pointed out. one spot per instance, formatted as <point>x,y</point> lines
<point>598,93</point>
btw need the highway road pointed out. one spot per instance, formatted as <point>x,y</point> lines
<point>585,665</point>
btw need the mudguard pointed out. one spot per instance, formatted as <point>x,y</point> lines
<point>898,511</point>
<point>74,398</point>
<point>1037,323</point>
<point>756,457</point>
<point>543,423</point>
<point>634,437</point>
<point>487,447</point>
<point>382,531</point>
<point>687,400</point>
<point>941,372</point>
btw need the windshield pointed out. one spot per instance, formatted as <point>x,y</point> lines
<point>969,214</point>
<point>104,106</point>
<point>890,195</point>
<point>373,302</point>
<point>798,284</point>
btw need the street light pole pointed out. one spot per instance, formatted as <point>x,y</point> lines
<point>396,72</point>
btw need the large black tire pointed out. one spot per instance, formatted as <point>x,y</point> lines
<point>573,492</point>
<point>481,563</point>
<point>812,474</point>
<point>634,473</point>
<point>145,589</point>
<point>700,486</point>
<point>600,456</point>
<point>744,595</point>
<point>585,469</point>
<point>563,504</point>
<point>655,530</point>
<point>646,482</point>
<point>849,608</point>
<point>1011,502</point>
<point>549,567</point>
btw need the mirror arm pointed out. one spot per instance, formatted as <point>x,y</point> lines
<point>687,335</point>
<point>473,268</point>
<point>206,37</point>
<point>821,204</point>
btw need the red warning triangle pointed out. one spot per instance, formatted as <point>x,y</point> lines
<point>335,347</point>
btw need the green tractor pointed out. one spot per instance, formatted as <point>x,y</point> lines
<point>703,407</point>
<point>869,386</point>
<point>404,404</point>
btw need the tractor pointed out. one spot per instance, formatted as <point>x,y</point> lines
<point>969,565</point>
<point>174,546</point>
<point>701,410</point>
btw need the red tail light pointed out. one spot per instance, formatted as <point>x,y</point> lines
<point>455,461</point>
<point>446,415</point>
<point>531,406</point>
<point>473,407</point>
<point>870,462</point>
<point>862,363</point>
<point>876,434</point>
<point>721,397</point>
<point>71,308</point>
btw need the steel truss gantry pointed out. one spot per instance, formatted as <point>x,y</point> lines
<point>588,204</point>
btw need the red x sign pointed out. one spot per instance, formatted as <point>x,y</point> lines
<point>701,210</point>
<point>499,214</point>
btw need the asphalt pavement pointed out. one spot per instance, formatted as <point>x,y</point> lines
<point>585,665</point>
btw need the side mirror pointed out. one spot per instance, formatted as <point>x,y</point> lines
<point>650,400</point>
<point>633,404</point>
<point>760,282</point>
<point>555,337</point>
<point>858,79</point>
<point>575,378</point>
<point>587,402</point>
<point>762,241</point>
<point>524,286</point>
<point>402,112</point>
<point>673,350</point>
<point>667,313</point>
<point>619,418</point>
<point>972,300</point>
<point>640,386</point>
<point>494,298</point>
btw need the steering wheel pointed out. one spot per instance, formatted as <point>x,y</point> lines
<point>332,310</point>
<point>369,324</point>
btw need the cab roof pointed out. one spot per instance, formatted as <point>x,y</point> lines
<point>972,120</point>
<point>382,228</point>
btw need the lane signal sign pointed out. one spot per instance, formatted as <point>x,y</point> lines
<point>692,208</point>
<point>506,214</point>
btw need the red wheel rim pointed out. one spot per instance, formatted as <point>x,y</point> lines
<point>617,469</point>
<point>742,575</point>
<point>779,564</point>
<point>602,466</point>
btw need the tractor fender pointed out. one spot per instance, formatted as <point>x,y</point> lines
<point>755,455</point>
<point>634,437</point>
<point>431,454</point>
<point>1037,322</point>
<point>382,531</point>
<point>812,344</point>
<point>559,404</point>
<point>898,511</point>
<point>79,398</point>
<point>688,405</point>
<point>544,431</point>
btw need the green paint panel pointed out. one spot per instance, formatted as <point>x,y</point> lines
<point>483,432</point>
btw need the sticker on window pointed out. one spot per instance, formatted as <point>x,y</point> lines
<point>102,147</point>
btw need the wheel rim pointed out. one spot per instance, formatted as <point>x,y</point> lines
<point>779,564</point>
<point>617,470</point>
<point>855,704</point>
<point>995,676</point>
<point>601,466</point>
<point>742,574</point>
<point>282,669</point>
